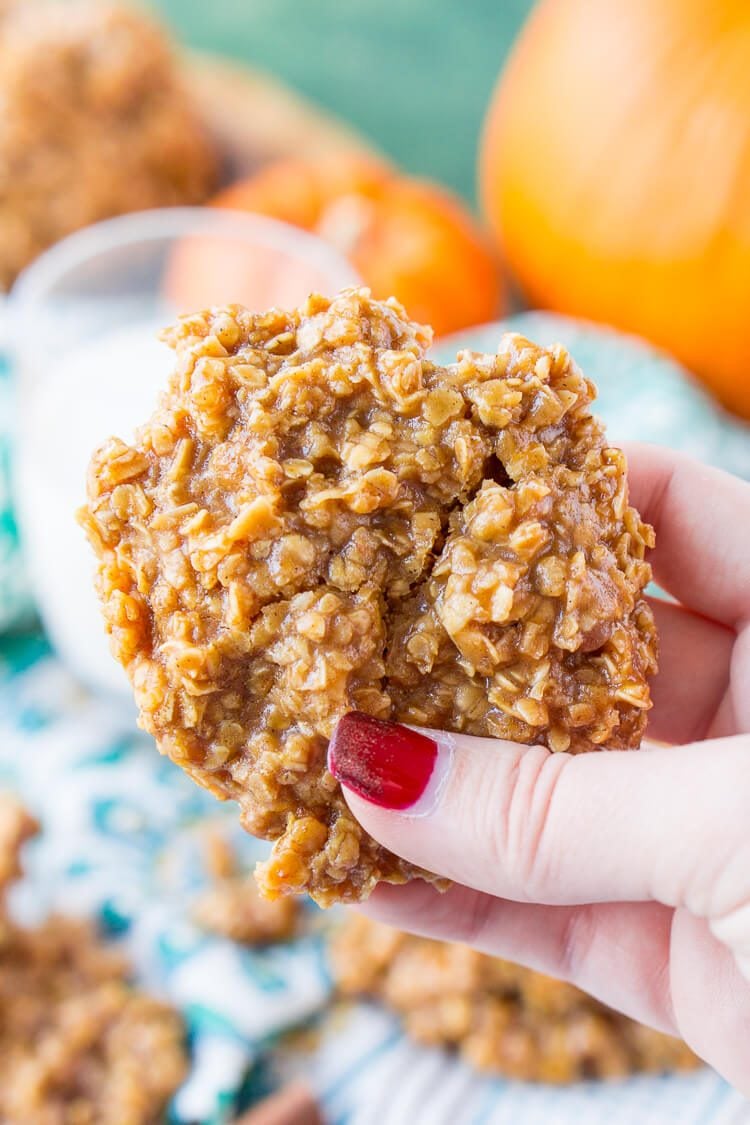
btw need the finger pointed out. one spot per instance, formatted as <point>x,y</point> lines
<point>662,824</point>
<point>695,656</point>
<point>711,1000</point>
<point>618,953</point>
<point>702,521</point>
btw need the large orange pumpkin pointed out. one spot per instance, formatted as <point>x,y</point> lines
<point>405,237</point>
<point>615,169</point>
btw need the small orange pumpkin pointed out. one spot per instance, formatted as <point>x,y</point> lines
<point>615,170</point>
<point>405,237</point>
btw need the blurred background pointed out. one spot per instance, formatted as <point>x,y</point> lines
<point>577,171</point>
<point>415,78</point>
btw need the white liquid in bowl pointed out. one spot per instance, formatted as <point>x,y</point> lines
<point>105,387</point>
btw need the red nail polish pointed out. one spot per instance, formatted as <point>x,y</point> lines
<point>383,762</point>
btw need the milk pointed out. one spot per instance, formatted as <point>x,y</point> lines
<point>106,386</point>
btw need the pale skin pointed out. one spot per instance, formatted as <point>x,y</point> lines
<point>627,874</point>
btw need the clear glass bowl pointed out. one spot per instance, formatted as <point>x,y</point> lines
<point>83,323</point>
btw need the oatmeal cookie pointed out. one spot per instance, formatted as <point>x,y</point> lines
<point>77,1042</point>
<point>94,123</point>
<point>317,518</point>
<point>500,1017</point>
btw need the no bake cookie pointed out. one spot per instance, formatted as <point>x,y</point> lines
<point>317,518</point>
<point>95,122</point>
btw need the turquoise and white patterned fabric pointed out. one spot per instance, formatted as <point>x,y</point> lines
<point>123,832</point>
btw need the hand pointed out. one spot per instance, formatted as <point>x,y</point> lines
<point>627,874</point>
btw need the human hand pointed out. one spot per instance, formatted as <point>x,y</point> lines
<point>627,874</point>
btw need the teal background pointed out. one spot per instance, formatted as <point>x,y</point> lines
<point>413,75</point>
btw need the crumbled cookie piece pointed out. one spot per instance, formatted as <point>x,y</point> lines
<point>16,827</point>
<point>234,908</point>
<point>317,518</point>
<point>500,1017</point>
<point>220,856</point>
<point>94,123</point>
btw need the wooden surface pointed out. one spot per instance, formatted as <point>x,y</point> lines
<point>256,119</point>
<point>412,75</point>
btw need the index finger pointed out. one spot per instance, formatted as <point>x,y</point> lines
<point>702,520</point>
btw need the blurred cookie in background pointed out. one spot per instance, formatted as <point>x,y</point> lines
<point>232,906</point>
<point>77,1042</point>
<point>95,123</point>
<point>500,1017</point>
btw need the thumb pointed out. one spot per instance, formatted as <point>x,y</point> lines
<point>663,824</point>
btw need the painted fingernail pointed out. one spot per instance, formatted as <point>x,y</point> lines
<point>383,762</point>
